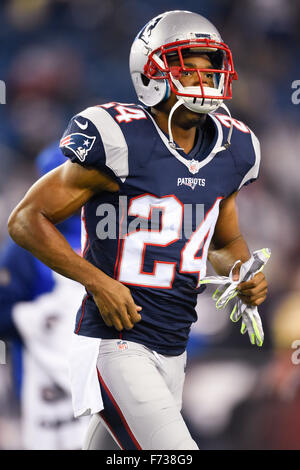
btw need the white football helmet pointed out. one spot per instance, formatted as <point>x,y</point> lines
<point>175,33</point>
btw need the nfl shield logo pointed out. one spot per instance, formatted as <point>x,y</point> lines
<point>122,345</point>
<point>79,144</point>
<point>193,166</point>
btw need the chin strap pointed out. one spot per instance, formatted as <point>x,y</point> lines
<point>173,145</point>
<point>228,143</point>
<point>171,140</point>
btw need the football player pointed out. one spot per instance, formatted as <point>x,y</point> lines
<point>158,183</point>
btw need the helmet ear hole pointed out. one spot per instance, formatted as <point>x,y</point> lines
<point>145,79</point>
<point>168,91</point>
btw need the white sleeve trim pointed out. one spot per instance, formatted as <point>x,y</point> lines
<point>115,146</point>
<point>253,172</point>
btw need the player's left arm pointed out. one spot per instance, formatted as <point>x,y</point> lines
<point>227,246</point>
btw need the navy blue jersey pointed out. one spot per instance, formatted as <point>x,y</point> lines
<point>153,235</point>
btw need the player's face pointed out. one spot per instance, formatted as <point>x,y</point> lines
<point>194,61</point>
<point>183,116</point>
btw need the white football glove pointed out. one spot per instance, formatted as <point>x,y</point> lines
<point>227,290</point>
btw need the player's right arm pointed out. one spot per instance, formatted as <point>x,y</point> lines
<point>52,199</point>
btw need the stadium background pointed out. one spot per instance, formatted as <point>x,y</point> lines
<point>58,57</point>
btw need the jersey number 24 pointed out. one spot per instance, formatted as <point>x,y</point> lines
<point>132,252</point>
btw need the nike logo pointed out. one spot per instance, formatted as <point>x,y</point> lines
<point>82,126</point>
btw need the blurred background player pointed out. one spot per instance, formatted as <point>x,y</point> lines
<point>36,315</point>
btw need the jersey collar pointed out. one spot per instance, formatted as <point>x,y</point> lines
<point>193,165</point>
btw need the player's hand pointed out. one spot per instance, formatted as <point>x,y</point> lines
<point>252,292</point>
<point>116,304</point>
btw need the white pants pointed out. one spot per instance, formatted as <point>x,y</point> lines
<point>142,396</point>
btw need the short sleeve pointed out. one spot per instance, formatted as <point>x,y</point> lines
<point>94,139</point>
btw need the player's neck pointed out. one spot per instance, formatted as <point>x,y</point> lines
<point>184,138</point>
<point>183,134</point>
